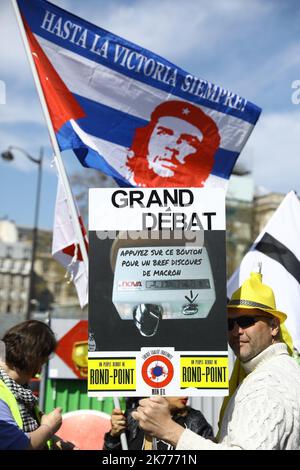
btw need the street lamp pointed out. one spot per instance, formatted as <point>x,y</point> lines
<point>9,156</point>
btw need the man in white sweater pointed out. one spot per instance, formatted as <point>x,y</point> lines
<point>264,411</point>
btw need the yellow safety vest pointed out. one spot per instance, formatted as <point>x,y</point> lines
<point>7,396</point>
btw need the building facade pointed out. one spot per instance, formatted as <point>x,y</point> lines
<point>14,277</point>
<point>51,287</point>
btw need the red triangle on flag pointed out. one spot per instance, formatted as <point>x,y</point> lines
<point>61,103</point>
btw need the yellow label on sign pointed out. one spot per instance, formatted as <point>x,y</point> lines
<point>204,372</point>
<point>112,374</point>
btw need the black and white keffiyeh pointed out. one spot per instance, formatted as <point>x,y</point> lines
<point>26,401</point>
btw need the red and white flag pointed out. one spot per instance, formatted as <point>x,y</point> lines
<point>65,246</point>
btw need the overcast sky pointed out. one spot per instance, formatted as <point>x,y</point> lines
<point>251,47</point>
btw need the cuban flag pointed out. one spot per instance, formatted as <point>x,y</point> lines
<point>277,248</point>
<point>129,112</point>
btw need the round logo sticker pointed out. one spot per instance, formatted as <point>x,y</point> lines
<point>157,371</point>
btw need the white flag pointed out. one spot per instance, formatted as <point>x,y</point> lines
<point>65,247</point>
<point>278,249</point>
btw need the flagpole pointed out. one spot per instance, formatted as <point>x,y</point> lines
<point>60,166</point>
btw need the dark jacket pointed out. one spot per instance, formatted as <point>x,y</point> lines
<point>193,420</point>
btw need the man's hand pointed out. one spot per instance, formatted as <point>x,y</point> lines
<point>118,422</point>
<point>153,416</point>
<point>53,420</point>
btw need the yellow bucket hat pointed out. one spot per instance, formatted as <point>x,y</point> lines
<point>254,294</point>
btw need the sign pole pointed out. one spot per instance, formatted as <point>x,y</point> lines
<point>123,438</point>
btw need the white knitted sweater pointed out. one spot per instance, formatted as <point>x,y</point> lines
<point>264,412</point>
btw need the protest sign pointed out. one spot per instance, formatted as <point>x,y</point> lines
<point>157,290</point>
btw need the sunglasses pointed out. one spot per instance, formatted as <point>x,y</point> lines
<point>245,321</point>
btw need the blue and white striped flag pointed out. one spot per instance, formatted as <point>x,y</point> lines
<point>129,112</point>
